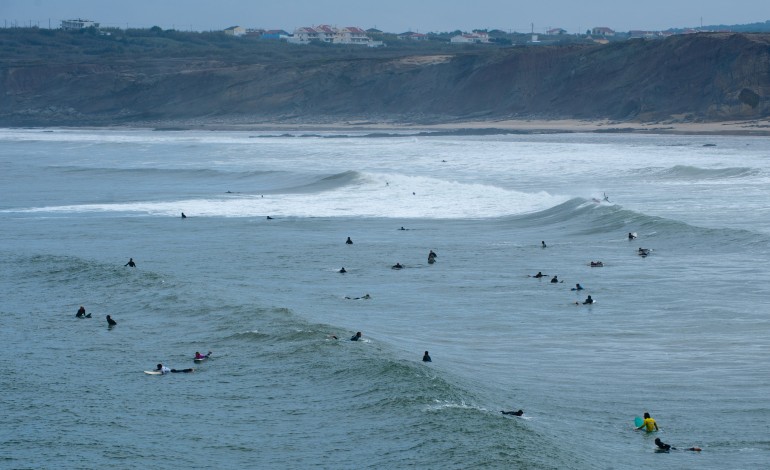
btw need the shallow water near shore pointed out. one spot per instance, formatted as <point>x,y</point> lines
<point>682,333</point>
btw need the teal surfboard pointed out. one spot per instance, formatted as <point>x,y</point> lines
<point>638,421</point>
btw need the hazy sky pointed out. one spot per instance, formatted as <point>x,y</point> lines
<point>390,15</point>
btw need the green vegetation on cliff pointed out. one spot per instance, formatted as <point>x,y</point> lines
<point>90,77</point>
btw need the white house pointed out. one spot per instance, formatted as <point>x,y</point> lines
<point>470,38</point>
<point>235,31</point>
<point>602,31</point>
<point>78,24</point>
<point>331,34</point>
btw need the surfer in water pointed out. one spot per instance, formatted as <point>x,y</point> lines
<point>588,301</point>
<point>665,447</point>
<point>577,287</point>
<point>349,241</point>
<point>397,266</point>
<point>648,424</point>
<point>201,356</point>
<point>364,297</point>
<point>513,413</point>
<point>165,370</point>
<point>426,357</point>
<point>356,337</point>
<point>539,275</point>
<point>631,235</point>
<point>184,216</point>
<point>554,280</point>
<point>643,252</point>
<point>111,322</point>
<point>543,245</point>
<point>130,263</point>
<point>596,264</point>
<point>606,198</point>
<point>81,313</point>
<point>432,257</point>
<point>342,271</point>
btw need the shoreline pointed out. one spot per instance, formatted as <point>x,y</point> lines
<point>523,126</point>
<point>754,127</point>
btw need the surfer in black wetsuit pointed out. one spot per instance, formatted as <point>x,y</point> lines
<point>184,216</point>
<point>342,271</point>
<point>130,263</point>
<point>588,300</point>
<point>397,266</point>
<point>110,321</point>
<point>365,297</point>
<point>165,370</point>
<point>543,244</point>
<point>356,337</point>
<point>81,312</point>
<point>606,198</point>
<point>432,257</point>
<point>349,241</point>
<point>539,275</point>
<point>631,236</point>
<point>663,446</point>
<point>426,357</point>
<point>577,287</point>
<point>514,413</point>
<point>554,280</point>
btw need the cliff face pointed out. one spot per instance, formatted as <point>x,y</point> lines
<point>689,77</point>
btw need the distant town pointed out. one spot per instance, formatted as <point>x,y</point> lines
<point>354,35</point>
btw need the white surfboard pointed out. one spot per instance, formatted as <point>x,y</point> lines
<point>153,372</point>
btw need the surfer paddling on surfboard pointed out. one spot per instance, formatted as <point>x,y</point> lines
<point>199,357</point>
<point>165,370</point>
<point>663,447</point>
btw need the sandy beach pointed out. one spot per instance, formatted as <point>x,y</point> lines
<point>749,127</point>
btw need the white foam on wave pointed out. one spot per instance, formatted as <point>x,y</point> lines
<point>371,195</point>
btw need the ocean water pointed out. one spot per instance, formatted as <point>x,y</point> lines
<point>683,333</point>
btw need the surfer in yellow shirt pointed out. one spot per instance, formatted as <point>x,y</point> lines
<point>649,424</point>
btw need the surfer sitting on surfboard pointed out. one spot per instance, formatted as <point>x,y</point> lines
<point>82,313</point>
<point>648,424</point>
<point>588,300</point>
<point>199,356</point>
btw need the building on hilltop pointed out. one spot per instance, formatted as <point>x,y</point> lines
<point>235,31</point>
<point>413,36</point>
<point>78,24</point>
<point>556,32</point>
<point>332,35</point>
<point>636,34</point>
<point>602,31</point>
<point>470,38</point>
<point>275,34</point>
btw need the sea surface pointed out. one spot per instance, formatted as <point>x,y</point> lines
<point>683,333</point>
